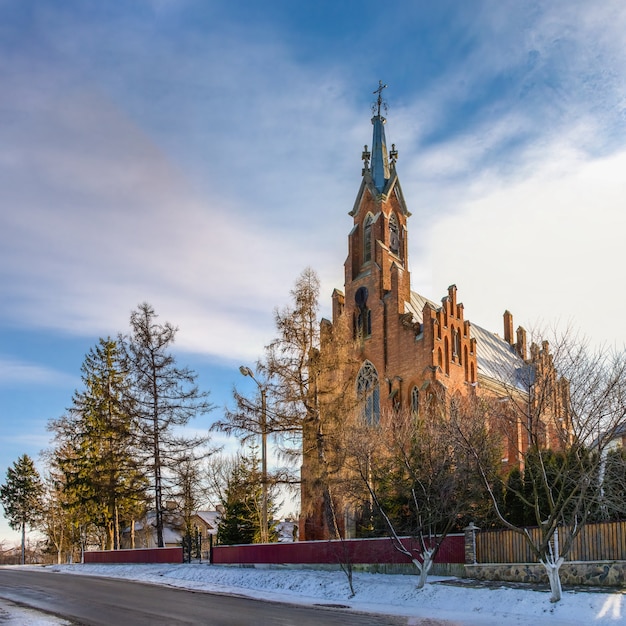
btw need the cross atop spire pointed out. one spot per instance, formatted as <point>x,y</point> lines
<point>379,100</point>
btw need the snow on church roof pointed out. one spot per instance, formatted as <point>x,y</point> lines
<point>495,358</point>
<point>498,360</point>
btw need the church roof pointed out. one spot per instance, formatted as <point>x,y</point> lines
<point>380,158</point>
<point>379,165</point>
<point>496,359</point>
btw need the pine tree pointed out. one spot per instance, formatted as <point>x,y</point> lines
<point>21,497</point>
<point>163,397</point>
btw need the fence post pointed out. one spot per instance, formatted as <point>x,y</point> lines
<point>470,543</point>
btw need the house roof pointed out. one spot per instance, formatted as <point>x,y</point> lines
<point>210,518</point>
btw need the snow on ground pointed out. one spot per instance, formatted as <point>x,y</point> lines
<point>13,615</point>
<point>380,593</point>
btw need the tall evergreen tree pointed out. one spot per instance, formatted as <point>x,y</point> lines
<point>21,497</point>
<point>96,461</point>
<point>163,397</point>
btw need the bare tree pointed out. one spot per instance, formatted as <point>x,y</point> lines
<point>418,483</point>
<point>300,412</point>
<point>570,405</point>
<point>55,521</point>
<point>163,398</point>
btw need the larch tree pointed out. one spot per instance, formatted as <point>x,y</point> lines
<point>21,497</point>
<point>163,398</point>
<point>295,395</point>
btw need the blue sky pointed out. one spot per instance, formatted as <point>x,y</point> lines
<point>199,154</point>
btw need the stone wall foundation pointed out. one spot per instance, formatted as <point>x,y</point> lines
<point>601,573</point>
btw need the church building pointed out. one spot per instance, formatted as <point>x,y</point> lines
<point>403,342</point>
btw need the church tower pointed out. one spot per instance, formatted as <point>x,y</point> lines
<point>377,244</point>
<point>404,341</point>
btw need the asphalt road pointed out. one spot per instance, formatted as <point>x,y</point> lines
<point>92,601</point>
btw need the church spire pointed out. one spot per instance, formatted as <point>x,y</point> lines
<point>380,158</point>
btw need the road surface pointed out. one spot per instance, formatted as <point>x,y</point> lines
<point>93,601</point>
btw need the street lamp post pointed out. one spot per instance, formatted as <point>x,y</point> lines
<point>246,371</point>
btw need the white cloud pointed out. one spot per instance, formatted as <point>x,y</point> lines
<point>14,371</point>
<point>113,222</point>
<point>204,178</point>
<point>548,248</point>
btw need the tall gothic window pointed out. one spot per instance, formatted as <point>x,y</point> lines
<point>415,401</point>
<point>394,235</point>
<point>362,323</point>
<point>362,315</point>
<point>456,344</point>
<point>368,392</point>
<point>367,238</point>
<point>466,361</point>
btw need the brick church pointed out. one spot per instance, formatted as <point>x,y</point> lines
<point>403,342</point>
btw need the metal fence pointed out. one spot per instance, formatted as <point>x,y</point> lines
<point>370,551</point>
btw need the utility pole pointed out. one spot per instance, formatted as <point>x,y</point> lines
<point>246,371</point>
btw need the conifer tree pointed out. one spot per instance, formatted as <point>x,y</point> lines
<point>306,397</point>
<point>21,496</point>
<point>163,398</point>
<point>97,468</point>
<point>242,501</point>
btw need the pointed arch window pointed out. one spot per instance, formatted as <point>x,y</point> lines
<point>362,315</point>
<point>415,401</point>
<point>368,393</point>
<point>362,324</point>
<point>456,345</point>
<point>367,238</point>
<point>394,235</point>
<point>466,361</point>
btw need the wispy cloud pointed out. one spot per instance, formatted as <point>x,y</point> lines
<point>14,372</point>
<point>206,173</point>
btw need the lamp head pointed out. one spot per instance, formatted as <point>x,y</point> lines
<point>245,371</point>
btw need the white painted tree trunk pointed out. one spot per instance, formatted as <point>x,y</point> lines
<point>424,567</point>
<point>554,577</point>
<point>552,564</point>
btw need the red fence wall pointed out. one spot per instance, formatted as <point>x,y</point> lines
<point>332,552</point>
<point>144,555</point>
